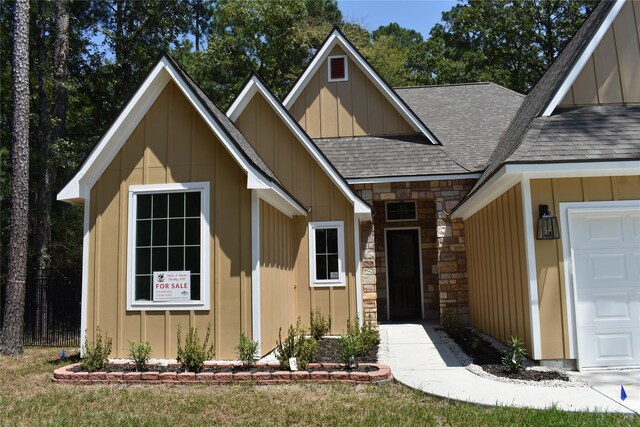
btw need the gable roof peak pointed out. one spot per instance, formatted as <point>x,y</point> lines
<point>337,37</point>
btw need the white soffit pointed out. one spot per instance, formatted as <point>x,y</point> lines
<point>337,38</point>
<point>510,174</point>
<point>255,85</point>
<point>582,59</point>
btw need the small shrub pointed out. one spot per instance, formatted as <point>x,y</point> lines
<point>454,326</point>
<point>367,334</point>
<point>512,361</point>
<point>319,325</point>
<point>194,353</point>
<point>296,344</point>
<point>350,348</point>
<point>247,350</point>
<point>96,353</point>
<point>140,353</point>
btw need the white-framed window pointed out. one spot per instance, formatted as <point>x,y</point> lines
<point>338,68</point>
<point>401,211</point>
<point>326,254</point>
<point>168,236</point>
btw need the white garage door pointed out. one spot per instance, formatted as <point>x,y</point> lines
<point>606,255</point>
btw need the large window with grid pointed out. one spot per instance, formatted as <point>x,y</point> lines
<point>326,253</point>
<point>168,237</point>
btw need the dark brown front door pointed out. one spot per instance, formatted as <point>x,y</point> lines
<point>403,262</point>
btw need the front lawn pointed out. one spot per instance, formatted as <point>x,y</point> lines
<point>28,397</point>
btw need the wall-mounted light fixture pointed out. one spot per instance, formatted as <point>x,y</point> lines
<point>547,224</point>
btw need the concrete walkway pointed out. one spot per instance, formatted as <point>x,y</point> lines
<point>419,359</point>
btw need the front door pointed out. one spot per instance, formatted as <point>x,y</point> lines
<point>403,264</point>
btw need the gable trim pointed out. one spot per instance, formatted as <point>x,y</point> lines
<point>255,85</point>
<point>582,59</point>
<point>337,38</point>
<point>117,135</point>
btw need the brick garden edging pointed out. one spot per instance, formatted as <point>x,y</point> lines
<point>65,375</point>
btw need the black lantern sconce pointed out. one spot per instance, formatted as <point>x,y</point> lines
<point>547,224</point>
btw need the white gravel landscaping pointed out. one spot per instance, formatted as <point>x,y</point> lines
<point>476,369</point>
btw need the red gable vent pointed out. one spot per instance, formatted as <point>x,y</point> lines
<point>337,68</point>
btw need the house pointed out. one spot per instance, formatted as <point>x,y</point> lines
<point>359,199</point>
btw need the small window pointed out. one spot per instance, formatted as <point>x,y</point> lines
<point>338,68</point>
<point>401,211</point>
<point>168,225</point>
<point>326,253</point>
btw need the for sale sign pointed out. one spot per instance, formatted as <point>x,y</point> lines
<point>171,285</point>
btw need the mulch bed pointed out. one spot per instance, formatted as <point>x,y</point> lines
<point>489,359</point>
<point>329,351</point>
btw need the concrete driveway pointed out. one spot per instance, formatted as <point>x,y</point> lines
<point>609,382</point>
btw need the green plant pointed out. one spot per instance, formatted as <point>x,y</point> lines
<point>455,326</point>
<point>512,361</point>
<point>247,350</point>
<point>96,353</point>
<point>367,334</point>
<point>140,353</point>
<point>319,325</point>
<point>350,348</point>
<point>194,353</point>
<point>296,344</point>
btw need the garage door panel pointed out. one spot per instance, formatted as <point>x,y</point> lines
<point>609,348</point>
<point>606,258</point>
<point>607,267</point>
<point>602,307</point>
<point>605,230</point>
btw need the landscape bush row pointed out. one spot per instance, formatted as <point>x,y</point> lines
<point>299,343</point>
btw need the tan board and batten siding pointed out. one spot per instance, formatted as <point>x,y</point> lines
<point>171,144</point>
<point>300,174</point>
<point>344,109</point>
<point>497,269</point>
<point>549,257</point>
<point>611,74</point>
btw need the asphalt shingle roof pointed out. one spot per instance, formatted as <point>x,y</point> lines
<point>542,93</point>
<point>600,132</point>
<point>369,157</point>
<point>467,118</point>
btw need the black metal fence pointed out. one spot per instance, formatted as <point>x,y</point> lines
<point>52,307</point>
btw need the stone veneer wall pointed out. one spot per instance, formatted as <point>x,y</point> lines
<point>444,263</point>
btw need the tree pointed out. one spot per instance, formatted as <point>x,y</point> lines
<point>50,133</point>
<point>508,42</point>
<point>11,337</point>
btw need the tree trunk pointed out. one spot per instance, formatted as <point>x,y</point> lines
<point>13,322</point>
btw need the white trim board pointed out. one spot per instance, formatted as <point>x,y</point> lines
<point>386,266</point>
<point>254,86</point>
<point>566,208</point>
<point>532,272</point>
<point>109,145</point>
<point>84,307</point>
<point>336,38</point>
<point>256,314</point>
<point>414,178</point>
<point>358,261</point>
<point>583,58</point>
<point>510,174</point>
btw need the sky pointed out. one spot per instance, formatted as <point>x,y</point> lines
<point>419,15</point>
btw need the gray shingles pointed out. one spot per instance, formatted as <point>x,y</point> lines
<point>467,118</point>
<point>369,157</point>
<point>598,132</point>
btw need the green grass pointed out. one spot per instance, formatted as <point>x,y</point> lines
<point>29,397</point>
